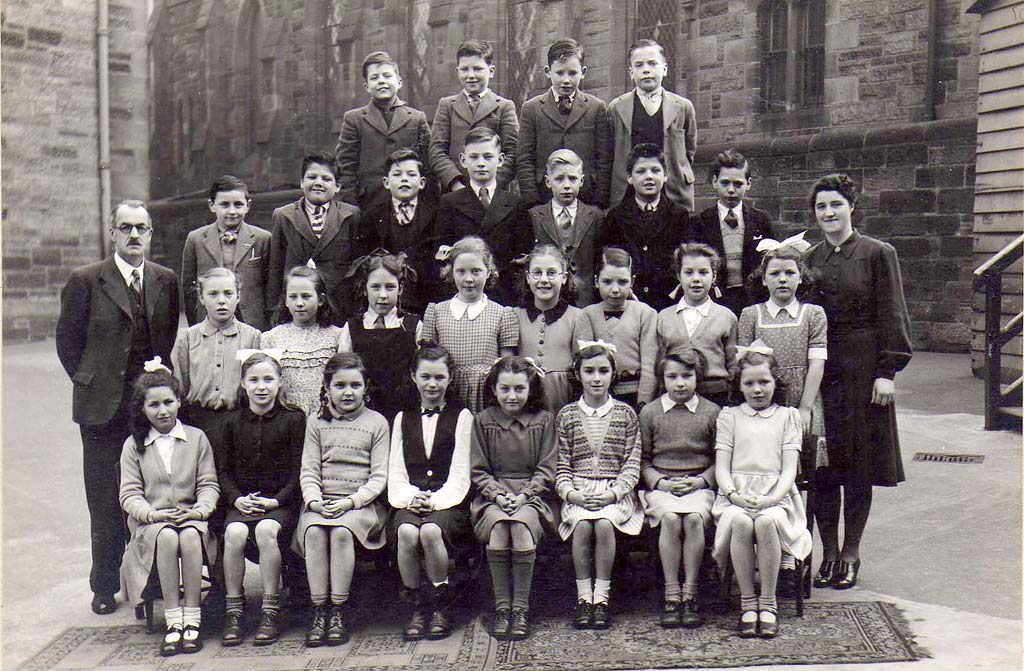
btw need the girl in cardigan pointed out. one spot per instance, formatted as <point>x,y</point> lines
<point>258,449</point>
<point>549,326</point>
<point>628,324</point>
<point>428,479</point>
<point>168,489</point>
<point>678,467</point>
<point>598,469</point>
<point>758,447</point>
<point>513,465</point>
<point>306,334</point>
<point>699,322</point>
<point>344,471</point>
<point>384,336</point>
<point>471,327</point>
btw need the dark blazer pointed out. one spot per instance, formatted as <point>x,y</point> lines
<point>756,226</point>
<point>202,251</point>
<point>585,130</point>
<point>454,119</point>
<point>580,247</point>
<point>680,122</point>
<point>94,332</point>
<point>378,228</point>
<point>293,243</point>
<point>366,140</point>
<point>503,226</point>
<point>651,250</point>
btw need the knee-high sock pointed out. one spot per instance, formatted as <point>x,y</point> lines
<point>522,577</point>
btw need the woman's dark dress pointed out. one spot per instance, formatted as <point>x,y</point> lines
<point>861,289</point>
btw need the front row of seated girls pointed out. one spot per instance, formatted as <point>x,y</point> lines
<point>593,453</point>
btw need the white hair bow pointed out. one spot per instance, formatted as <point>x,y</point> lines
<point>757,347</point>
<point>528,359</point>
<point>275,353</point>
<point>155,364</point>
<point>797,242</point>
<point>443,253</point>
<point>583,344</point>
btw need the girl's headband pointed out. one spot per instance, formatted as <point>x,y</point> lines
<point>155,364</point>
<point>275,353</point>
<point>528,359</point>
<point>407,273</point>
<point>797,242</point>
<point>757,347</point>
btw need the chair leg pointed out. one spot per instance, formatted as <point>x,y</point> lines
<point>148,608</point>
<point>800,570</point>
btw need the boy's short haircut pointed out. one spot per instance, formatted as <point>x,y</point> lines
<point>404,154</point>
<point>564,157</point>
<point>377,58</point>
<point>730,158</point>
<point>475,48</point>
<point>227,183</point>
<point>321,158</point>
<point>640,44</point>
<point>482,134</point>
<point>644,150</point>
<point>563,49</point>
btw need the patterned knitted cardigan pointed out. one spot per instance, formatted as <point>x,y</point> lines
<point>618,458</point>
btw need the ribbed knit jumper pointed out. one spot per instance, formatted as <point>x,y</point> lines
<point>678,443</point>
<point>715,337</point>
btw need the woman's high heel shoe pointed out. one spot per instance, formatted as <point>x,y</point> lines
<point>826,574</point>
<point>846,574</point>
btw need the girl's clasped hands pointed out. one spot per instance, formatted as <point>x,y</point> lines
<point>680,486</point>
<point>510,503</point>
<point>591,500</point>
<point>332,508</point>
<point>253,504</point>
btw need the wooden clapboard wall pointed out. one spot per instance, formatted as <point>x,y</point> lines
<point>999,187</point>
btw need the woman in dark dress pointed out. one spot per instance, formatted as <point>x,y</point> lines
<point>861,290</point>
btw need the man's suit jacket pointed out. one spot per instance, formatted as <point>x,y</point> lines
<point>376,226</point>
<point>454,119</point>
<point>293,243</point>
<point>756,227</point>
<point>579,249</point>
<point>585,130</point>
<point>252,257</point>
<point>366,140</point>
<point>651,252</point>
<point>502,225</point>
<point>94,332</point>
<point>680,122</point>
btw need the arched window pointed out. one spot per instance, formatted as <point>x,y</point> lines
<point>792,36</point>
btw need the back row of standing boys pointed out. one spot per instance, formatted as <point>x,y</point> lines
<point>509,423</point>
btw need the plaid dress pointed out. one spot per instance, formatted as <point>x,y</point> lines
<point>473,344</point>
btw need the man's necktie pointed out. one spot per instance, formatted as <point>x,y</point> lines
<point>485,198</point>
<point>404,212</point>
<point>565,219</point>
<point>564,105</point>
<point>136,285</point>
<point>474,101</point>
<point>316,220</point>
<point>731,220</point>
<point>378,323</point>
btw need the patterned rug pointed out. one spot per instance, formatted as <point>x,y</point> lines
<point>833,633</point>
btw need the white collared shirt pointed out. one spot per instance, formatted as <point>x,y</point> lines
<point>738,211</point>
<point>556,209</point>
<point>596,412</point>
<point>491,187</point>
<point>469,310</point>
<point>693,314</point>
<point>651,101</point>
<point>667,403</point>
<point>165,442</point>
<point>793,309</point>
<point>453,491</point>
<point>126,269</point>
<point>643,206</point>
<point>557,95</point>
<point>311,208</point>
<point>482,94</point>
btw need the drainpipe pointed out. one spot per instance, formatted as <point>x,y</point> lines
<point>933,33</point>
<point>103,63</point>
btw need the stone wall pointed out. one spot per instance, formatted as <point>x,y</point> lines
<point>917,185</point>
<point>51,201</point>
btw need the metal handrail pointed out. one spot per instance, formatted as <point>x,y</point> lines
<point>989,278</point>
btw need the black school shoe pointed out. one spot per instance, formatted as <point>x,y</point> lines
<point>671,615</point>
<point>232,634</point>
<point>689,614</point>
<point>602,619</point>
<point>584,615</point>
<point>519,629</point>
<point>317,632</point>
<point>337,633</point>
<point>502,623</point>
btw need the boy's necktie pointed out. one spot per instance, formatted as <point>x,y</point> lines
<point>474,101</point>
<point>427,412</point>
<point>731,220</point>
<point>564,105</point>
<point>316,220</point>
<point>404,213</point>
<point>485,198</point>
<point>564,218</point>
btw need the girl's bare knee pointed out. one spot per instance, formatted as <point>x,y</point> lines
<point>267,532</point>
<point>499,538</point>
<point>341,537</point>
<point>522,539</point>
<point>235,535</point>
<point>408,535</point>
<point>693,524</point>
<point>431,534</point>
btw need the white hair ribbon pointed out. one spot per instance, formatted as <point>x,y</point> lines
<point>443,253</point>
<point>757,347</point>
<point>275,353</point>
<point>583,344</point>
<point>155,364</point>
<point>797,242</point>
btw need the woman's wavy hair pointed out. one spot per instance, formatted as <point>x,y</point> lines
<point>470,244</point>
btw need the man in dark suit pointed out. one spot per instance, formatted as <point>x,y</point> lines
<point>733,229</point>
<point>315,231</point>
<point>487,211</point>
<point>115,315</point>
<point>401,219</point>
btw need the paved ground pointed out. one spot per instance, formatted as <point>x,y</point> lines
<point>945,545</point>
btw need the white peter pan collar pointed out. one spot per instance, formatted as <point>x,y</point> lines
<point>750,412</point>
<point>667,403</point>
<point>793,309</point>
<point>469,310</point>
<point>596,412</point>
